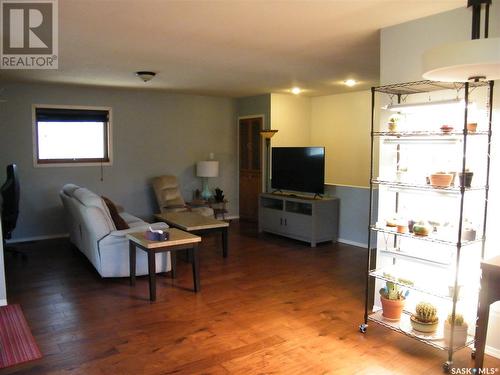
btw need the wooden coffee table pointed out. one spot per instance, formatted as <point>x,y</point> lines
<point>178,240</point>
<point>197,224</point>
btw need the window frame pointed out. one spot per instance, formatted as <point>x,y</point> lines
<point>81,162</point>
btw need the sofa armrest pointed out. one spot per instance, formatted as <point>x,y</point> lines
<point>141,228</point>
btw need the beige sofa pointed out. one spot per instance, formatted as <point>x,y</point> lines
<point>93,232</point>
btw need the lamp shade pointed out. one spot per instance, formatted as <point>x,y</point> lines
<point>460,62</point>
<point>268,133</point>
<point>207,168</point>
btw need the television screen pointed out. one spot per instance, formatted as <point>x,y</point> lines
<point>298,169</point>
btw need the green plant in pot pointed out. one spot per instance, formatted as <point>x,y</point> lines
<point>425,318</point>
<point>393,299</point>
<point>393,123</point>
<point>465,178</point>
<point>459,333</point>
<point>219,195</point>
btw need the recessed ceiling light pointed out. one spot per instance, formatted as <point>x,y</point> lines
<point>296,90</point>
<point>350,82</point>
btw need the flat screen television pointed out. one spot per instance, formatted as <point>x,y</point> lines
<point>298,169</point>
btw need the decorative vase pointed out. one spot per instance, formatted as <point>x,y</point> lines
<point>411,223</point>
<point>467,180</point>
<point>459,334</point>
<point>419,326</point>
<point>392,308</point>
<point>393,127</point>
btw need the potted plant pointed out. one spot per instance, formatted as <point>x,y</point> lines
<point>421,228</point>
<point>393,299</point>
<point>472,127</point>
<point>393,123</point>
<point>425,318</point>
<point>441,179</point>
<point>465,178</point>
<point>459,333</point>
<point>219,195</point>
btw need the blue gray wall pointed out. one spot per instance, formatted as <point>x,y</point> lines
<point>353,213</point>
<point>255,105</point>
<point>154,133</point>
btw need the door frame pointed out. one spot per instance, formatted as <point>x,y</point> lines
<point>262,152</point>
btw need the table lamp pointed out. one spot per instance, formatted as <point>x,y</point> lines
<point>206,169</point>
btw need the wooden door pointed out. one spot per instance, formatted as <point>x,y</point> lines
<point>250,167</point>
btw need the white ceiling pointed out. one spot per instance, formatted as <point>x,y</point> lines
<point>230,48</point>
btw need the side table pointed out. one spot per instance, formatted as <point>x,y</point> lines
<point>490,292</point>
<point>179,240</point>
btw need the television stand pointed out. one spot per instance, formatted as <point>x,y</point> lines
<point>301,218</point>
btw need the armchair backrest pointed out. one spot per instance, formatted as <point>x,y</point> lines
<point>167,192</point>
<point>10,192</point>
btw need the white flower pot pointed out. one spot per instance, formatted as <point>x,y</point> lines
<point>459,335</point>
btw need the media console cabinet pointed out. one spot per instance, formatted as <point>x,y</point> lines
<point>301,218</point>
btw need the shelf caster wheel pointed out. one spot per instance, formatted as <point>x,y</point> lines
<point>363,327</point>
<point>447,367</point>
<point>473,354</point>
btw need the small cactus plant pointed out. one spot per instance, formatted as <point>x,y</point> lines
<point>392,291</point>
<point>459,320</point>
<point>394,119</point>
<point>426,313</point>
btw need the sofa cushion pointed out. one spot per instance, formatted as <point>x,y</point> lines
<point>92,200</point>
<point>115,216</point>
<point>69,189</point>
<point>131,220</point>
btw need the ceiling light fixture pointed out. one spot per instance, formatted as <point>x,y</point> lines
<point>145,75</point>
<point>296,90</point>
<point>350,82</point>
<point>474,59</point>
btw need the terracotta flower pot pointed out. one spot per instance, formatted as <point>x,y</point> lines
<point>446,129</point>
<point>472,127</point>
<point>441,180</point>
<point>392,308</point>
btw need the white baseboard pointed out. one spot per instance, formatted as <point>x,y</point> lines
<point>38,238</point>
<point>493,342</point>
<point>494,352</point>
<point>353,243</point>
<point>64,235</point>
<point>3,302</point>
<point>230,217</point>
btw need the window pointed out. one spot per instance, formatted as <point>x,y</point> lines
<point>71,135</point>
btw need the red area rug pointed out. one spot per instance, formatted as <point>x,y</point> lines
<point>17,344</point>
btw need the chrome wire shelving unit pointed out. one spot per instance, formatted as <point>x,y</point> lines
<point>459,135</point>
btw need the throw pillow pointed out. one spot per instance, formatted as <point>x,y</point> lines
<point>115,216</point>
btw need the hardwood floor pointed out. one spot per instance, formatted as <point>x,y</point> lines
<point>274,306</point>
